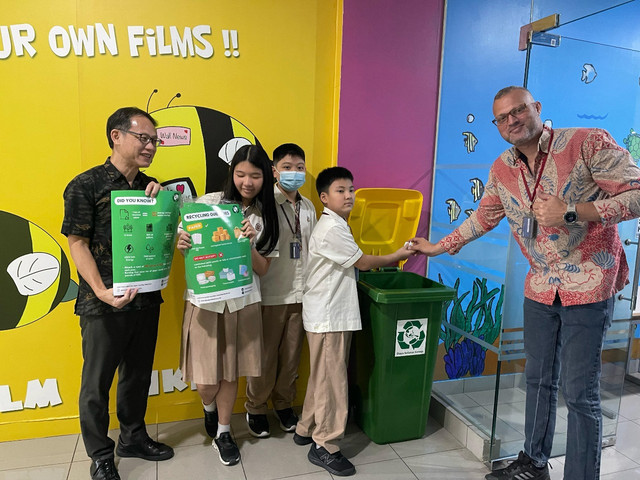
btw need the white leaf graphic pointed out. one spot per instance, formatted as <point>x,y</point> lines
<point>34,272</point>
<point>230,148</point>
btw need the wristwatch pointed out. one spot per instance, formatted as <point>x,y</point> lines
<point>571,216</point>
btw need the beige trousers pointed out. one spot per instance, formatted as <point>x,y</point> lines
<point>324,415</point>
<point>283,335</point>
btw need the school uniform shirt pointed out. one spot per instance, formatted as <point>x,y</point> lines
<point>284,281</point>
<point>330,299</point>
<point>254,215</point>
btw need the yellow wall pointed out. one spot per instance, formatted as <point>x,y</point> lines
<point>284,86</point>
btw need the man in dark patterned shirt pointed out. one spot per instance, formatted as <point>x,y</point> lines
<point>117,332</point>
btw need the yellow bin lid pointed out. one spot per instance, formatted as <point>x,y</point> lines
<point>383,219</point>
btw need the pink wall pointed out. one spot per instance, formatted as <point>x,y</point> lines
<point>389,96</point>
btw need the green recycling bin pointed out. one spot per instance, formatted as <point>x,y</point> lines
<point>395,353</point>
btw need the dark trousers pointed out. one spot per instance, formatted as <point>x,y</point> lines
<point>125,341</point>
<point>565,343</point>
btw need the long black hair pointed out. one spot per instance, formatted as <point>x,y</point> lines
<point>256,156</point>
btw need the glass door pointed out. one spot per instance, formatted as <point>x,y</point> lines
<point>586,73</point>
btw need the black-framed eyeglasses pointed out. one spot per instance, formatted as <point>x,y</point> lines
<point>144,138</point>
<point>514,112</point>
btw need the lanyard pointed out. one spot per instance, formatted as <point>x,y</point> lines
<point>295,231</point>
<point>543,162</point>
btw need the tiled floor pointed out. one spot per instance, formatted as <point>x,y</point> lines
<point>436,456</point>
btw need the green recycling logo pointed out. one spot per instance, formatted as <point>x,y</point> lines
<point>410,337</point>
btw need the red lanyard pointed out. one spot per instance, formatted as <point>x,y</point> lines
<point>543,162</point>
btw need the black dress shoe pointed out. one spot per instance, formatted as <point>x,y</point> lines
<point>104,470</point>
<point>147,450</point>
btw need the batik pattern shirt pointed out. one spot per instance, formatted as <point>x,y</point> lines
<point>583,262</point>
<point>87,213</point>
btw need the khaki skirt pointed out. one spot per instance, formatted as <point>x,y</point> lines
<point>221,346</point>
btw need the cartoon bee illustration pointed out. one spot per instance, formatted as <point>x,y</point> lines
<point>34,273</point>
<point>198,144</point>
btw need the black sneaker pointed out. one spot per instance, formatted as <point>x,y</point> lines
<point>288,419</point>
<point>300,440</point>
<point>227,449</point>
<point>211,423</point>
<point>334,463</point>
<point>148,449</point>
<point>104,470</point>
<point>521,468</point>
<point>258,425</point>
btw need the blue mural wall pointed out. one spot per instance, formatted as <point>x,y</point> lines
<point>580,83</point>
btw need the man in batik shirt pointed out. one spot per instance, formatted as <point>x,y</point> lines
<point>563,192</point>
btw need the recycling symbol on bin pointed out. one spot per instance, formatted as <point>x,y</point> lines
<point>411,335</point>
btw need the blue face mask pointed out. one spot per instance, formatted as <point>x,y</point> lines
<point>291,181</point>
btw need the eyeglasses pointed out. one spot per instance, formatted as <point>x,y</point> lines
<point>515,112</point>
<point>144,138</point>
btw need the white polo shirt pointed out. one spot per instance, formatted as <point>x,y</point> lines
<point>330,300</point>
<point>254,215</point>
<point>284,281</point>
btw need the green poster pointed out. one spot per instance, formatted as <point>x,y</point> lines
<point>218,264</point>
<point>143,231</point>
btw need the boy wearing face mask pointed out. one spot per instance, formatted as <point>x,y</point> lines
<point>282,289</point>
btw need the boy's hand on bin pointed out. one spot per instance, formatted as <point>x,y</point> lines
<point>422,245</point>
<point>403,252</point>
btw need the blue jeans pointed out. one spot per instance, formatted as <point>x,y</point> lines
<point>565,343</point>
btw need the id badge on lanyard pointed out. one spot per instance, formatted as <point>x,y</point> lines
<point>529,225</point>
<point>529,222</point>
<point>296,246</point>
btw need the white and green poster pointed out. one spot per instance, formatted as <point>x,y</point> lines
<point>410,337</point>
<point>218,264</point>
<point>143,230</point>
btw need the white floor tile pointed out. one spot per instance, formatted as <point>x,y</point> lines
<point>613,461</point>
<point>630,407</point>
<point>556,470</point>
<point>390,469</point>
<point>482,417</point>
<point>461,400</point>
<point>196,462</point>
<point>633,474</point>
<point>37,452</point>
<point>627,437</point>
<point>453,464</point>
<point>183,434</point>
<point>79,470</point>
<point>323,475</point>
<point>51,472</point>
<point>436,439</point>
<point>360,450</point>
<point>507,395</point>
<point>137,469</point>
<point>436,456</point>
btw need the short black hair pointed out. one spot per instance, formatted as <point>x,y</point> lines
<point>503,91</point>
<point>287,149</point>
<point>329,175</point>
<point>121,120</point>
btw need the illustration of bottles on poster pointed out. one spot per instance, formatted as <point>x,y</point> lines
<point>143,231</point>
<point>218,264</point>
